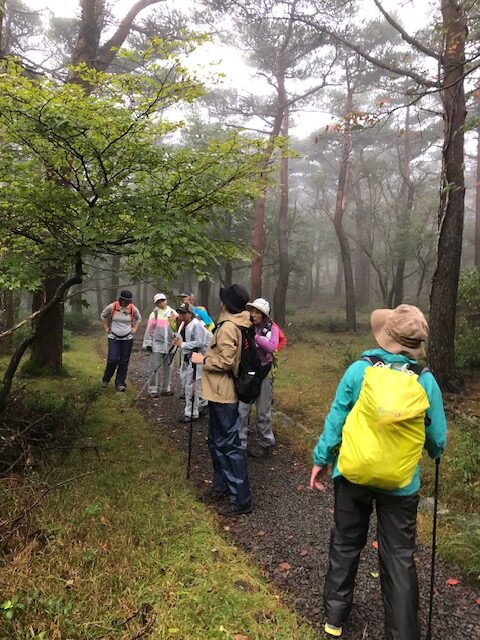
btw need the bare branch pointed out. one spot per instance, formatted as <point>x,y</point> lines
<point>407,37</point>
<point>398,71</point>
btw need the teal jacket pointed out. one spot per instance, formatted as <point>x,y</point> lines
<point>326,450</point>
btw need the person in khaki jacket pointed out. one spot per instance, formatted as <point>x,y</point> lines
<point>230,477</point>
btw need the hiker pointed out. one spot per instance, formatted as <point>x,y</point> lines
<point>266,338</point>
<point>200,312</point>
<point>121,320</point>
<point>158,341</point>
<point>195,339</point>
<point>385,410</point>
<point>220,363</point>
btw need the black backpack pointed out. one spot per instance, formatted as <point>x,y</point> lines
<point>249,379</point>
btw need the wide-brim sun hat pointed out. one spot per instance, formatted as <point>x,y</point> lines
<point>262,305</point>
<point>401,330</point>
<point>234,297</point>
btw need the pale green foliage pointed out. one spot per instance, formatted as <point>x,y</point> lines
<point>469,290</point>
<point>91,173</point>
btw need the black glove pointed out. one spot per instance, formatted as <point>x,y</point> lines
<point>149,349</point>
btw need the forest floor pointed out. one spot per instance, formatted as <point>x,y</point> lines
<point>287,533</point>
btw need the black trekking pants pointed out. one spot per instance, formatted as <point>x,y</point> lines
<point>396,527</point>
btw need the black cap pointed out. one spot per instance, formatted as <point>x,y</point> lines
<point>127,295</point>
<point>185,308</point>
<point>234,297</point>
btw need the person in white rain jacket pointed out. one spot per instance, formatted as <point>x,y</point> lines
<point>197,338</point>
<point>158,340</point>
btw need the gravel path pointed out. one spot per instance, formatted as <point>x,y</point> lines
<point>288,532</point>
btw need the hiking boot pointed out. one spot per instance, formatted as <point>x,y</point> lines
<point>154,394</point>
<point>232,510</point>
<point>186,419</point>
<point>203,413</point>
<point>256,451</point>
<point>104,384</point>
<point>212,497</point>
<point>332,630</point>
<point>121,387</point>
<point>167,393</point>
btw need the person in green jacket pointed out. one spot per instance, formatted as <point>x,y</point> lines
<point>401,334</point>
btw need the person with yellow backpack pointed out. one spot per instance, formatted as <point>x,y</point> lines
<point>386,410</point>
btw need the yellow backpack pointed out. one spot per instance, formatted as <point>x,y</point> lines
<point>384,433</point>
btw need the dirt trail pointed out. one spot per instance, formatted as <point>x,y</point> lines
<point>288,532</point>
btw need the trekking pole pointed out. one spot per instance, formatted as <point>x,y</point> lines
<point>190,434</point>
<point>434,547</point>
<point>172,351</point>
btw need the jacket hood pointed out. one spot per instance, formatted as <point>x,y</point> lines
<point>386,356</point>
<point>242,319</point>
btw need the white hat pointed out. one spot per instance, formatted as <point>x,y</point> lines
<point>159,296</point>
<point>261,305</point>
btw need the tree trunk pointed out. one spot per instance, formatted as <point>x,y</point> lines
<point>443,297</point>
<point>280,295</point>
<point>350,307</point>
<point>2,19</point>
<point>477,204</point>
<point>145,298</point>
<point>6,318</point>
<point>204,291</point>
<point>87,49</point>
<point>114,278</point>
<point>229,274</point>
<point>45,312</point>
<point>76,299</point>
<point>98,290</point>
<point>46,353</point>
<point>258,242</point>
<point>339,277</point>
<point>407,192</point>
<point>362,263</point>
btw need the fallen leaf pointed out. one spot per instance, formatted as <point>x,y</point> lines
<point>303,552</point>
<point>478,601</point>
<point>375,544</point>
<point>282,567</point>
<point>240,636</point>
<point>453,581</point>
<point>299,487</point>
<point>374,574</point>
<point>227,528</point>
<point>260,533</point>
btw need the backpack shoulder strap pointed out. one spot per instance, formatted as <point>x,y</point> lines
<point>130,311</point>
<point>418,368</point>
<point>115,307</point>
<point>373,360</point>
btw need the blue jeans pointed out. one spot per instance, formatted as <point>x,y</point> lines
<point>228,458</point>
<point>118,358</point>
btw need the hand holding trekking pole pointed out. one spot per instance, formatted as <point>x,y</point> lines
<point>197,358</point>
<point>317,473</point>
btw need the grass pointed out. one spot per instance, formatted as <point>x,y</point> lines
<point>127,551</point>
<point>309,371</point>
